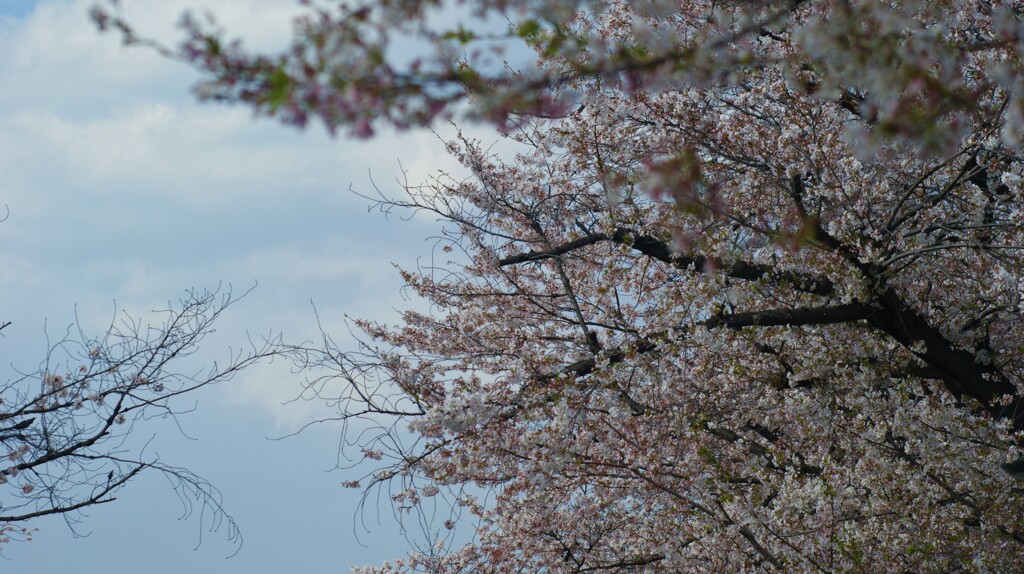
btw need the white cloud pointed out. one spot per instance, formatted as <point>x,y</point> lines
<point>123,189</point>
<point>124,192</point>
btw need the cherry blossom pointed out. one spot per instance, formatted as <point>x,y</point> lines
<point>746,298</point>
<point>799,358</point>
<point>917,70</point>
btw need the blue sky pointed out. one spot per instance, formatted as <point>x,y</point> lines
<point>17,8</point>
<point>122,193</point>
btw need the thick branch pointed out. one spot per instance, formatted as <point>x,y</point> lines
<point>957,368</point>
<point>771,318</point>
<point>554,252</point>
<point>794,317</point>
<point>661,250</point>
<point>746,533</point>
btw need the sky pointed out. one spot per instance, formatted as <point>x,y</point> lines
<point>122,192</point>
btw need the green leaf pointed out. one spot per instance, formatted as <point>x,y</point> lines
<point>279,87</point>
<point>528,29</point>
<point>461,35</point>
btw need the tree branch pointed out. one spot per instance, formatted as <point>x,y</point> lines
<point>661,250</point>
<point>794,317</point>
<point>957,368</point>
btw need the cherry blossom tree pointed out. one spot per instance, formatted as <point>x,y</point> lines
<point>812,364</point>
<point>69,427</point>
<point>747,298</point>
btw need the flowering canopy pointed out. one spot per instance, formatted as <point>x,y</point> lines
<point>748,298</point>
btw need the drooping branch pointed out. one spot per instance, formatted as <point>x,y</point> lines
<point>67,424</point>
<point>102,495</point>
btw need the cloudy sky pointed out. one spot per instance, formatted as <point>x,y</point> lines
<point>123,192</point>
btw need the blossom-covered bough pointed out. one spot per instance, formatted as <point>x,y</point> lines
<point>923,71</point>
<point>70,429</point>
<point>748,298</point>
